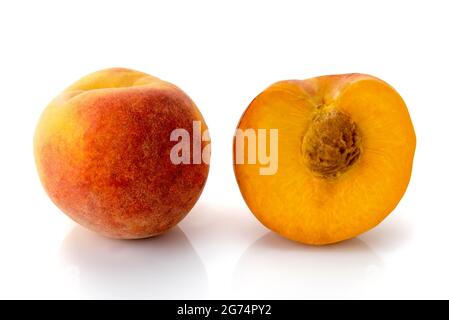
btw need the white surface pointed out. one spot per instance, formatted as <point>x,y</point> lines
<point>222,54</point>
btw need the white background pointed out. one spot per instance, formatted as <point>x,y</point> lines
<point>222,53</point>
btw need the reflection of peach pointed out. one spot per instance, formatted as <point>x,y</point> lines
<point>102,150</point>
<point>345,152</point>
<point>161,267</point>
<point>287,270</point>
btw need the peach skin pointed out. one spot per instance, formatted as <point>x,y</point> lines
<point>102,150</point>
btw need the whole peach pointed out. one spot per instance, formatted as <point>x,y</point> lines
<point>102,150</point>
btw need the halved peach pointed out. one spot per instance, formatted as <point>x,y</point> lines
<point>345,151</point>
